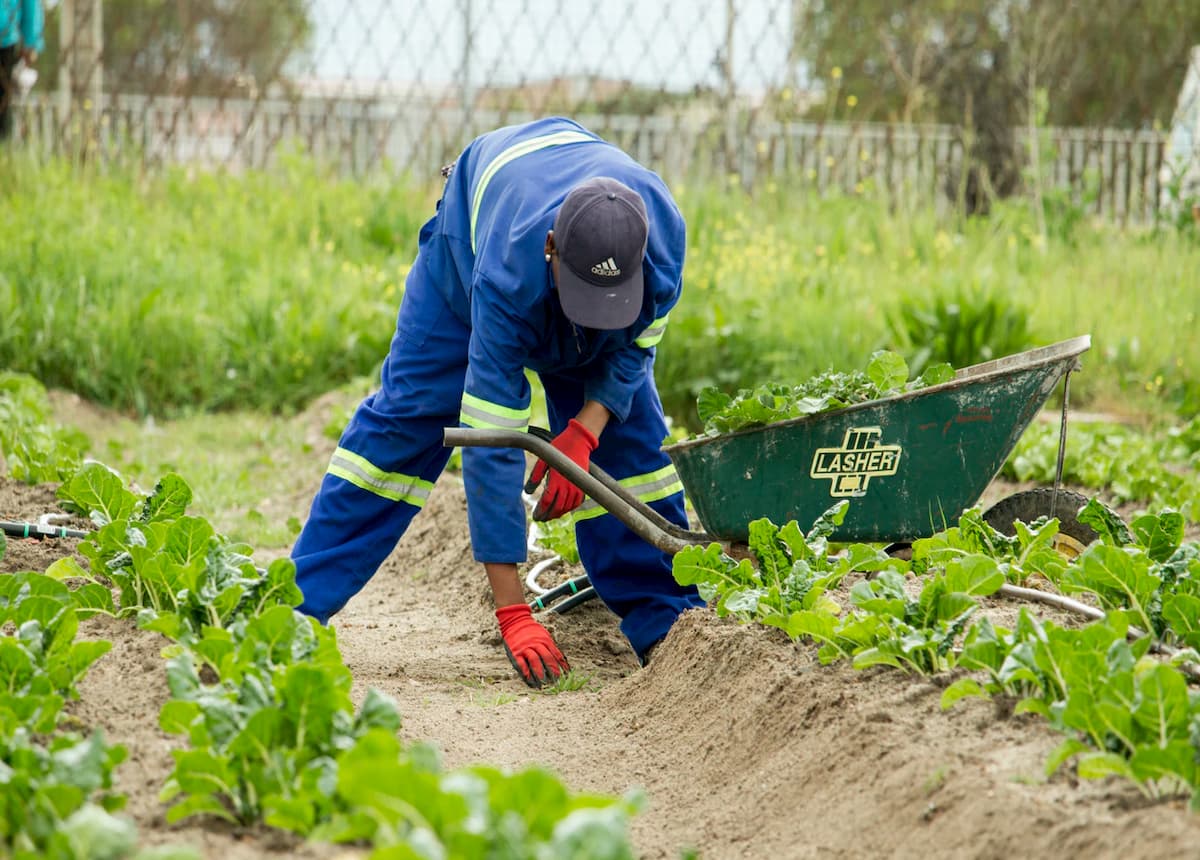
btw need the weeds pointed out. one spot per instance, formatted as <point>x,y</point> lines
<point>194,291</point>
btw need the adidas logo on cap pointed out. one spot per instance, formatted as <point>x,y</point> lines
<point>606,267</point>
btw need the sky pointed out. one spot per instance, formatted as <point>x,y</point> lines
<point>658,43</point>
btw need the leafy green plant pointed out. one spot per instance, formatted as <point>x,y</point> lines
<point>42,662</point>
<point>401,801</point>
<point>1028,553</point>
<point>963,326</point>
<point>921,634</point>
<point>787,586</point>
<point>58,786</point>
<point>1124,713</point>
<point>1157,467</point>
<point>787,583</point>
<point>886,375</point>
<point>51,788</point>
<point>173,571</point>
<point>558,536</point>
<point>35,448</point>
<point>264,739</point>
<point>263,696</point>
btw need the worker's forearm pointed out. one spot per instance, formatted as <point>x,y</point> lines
<point>594,416</point>
<point>507,587</point>
<point>506,584</point>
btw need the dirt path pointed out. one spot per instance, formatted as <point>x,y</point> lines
<point>746,747</point>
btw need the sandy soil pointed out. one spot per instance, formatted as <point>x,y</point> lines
<point>745,745</point>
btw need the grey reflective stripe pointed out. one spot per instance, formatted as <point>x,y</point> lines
<point>650,491</point>
<point>493,420</point>
<point>652,335</point>
<point>523,147</point>
<point>346,465</point>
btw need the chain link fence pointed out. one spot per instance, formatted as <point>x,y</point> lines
<point>716,90</point>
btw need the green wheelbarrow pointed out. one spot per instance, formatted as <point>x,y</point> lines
<point>909,464</point>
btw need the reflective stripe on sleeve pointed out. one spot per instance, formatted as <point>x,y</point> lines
<point>364,474</point>
<point>516,151</point>
<point>653,334</point>
<point>482,415</point>
<point>646,488</point>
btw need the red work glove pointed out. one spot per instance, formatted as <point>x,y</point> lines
<point>529,647</point>
<point>561,496</point>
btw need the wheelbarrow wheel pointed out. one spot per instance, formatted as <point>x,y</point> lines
<point>1073,536</point>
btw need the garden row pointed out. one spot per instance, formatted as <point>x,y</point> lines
<point>1123,710</point>
<point>58,792</point>
<point>260,693</point>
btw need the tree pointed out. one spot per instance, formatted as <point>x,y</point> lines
<point>1102,62</point>
<point>196,47</point>
<point>981,64</point>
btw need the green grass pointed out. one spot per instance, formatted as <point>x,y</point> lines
<point>33,448</point>
<point>192,290</point>
<point>187,291</point>
<point>484,694</point>
<point>248,470</point>
<point>253,473</point>
<point>569,682</point>
<point>784,285</point>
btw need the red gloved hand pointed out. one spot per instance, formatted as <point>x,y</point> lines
<point>529,646</point>
<point>561,496</point>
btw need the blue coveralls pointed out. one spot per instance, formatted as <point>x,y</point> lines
<point>479,308</point>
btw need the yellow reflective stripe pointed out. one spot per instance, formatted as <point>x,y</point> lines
<point>516,151</point>
<point>653,333</point>
<point>484,415</point>
<point>365,475</point>
<point>646,488</point>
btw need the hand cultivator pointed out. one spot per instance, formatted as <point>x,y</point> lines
<point>909,464</point>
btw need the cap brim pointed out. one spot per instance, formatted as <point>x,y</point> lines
<point>612,306</point>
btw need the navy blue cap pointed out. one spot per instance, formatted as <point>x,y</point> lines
<point>600,233</point>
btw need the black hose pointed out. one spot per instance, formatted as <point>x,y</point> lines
<point>571,586</point>
<point>38,532</point>
<point>573,601</point>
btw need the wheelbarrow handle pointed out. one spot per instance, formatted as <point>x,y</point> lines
<point>641,507</point>
<point>645,522</point>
